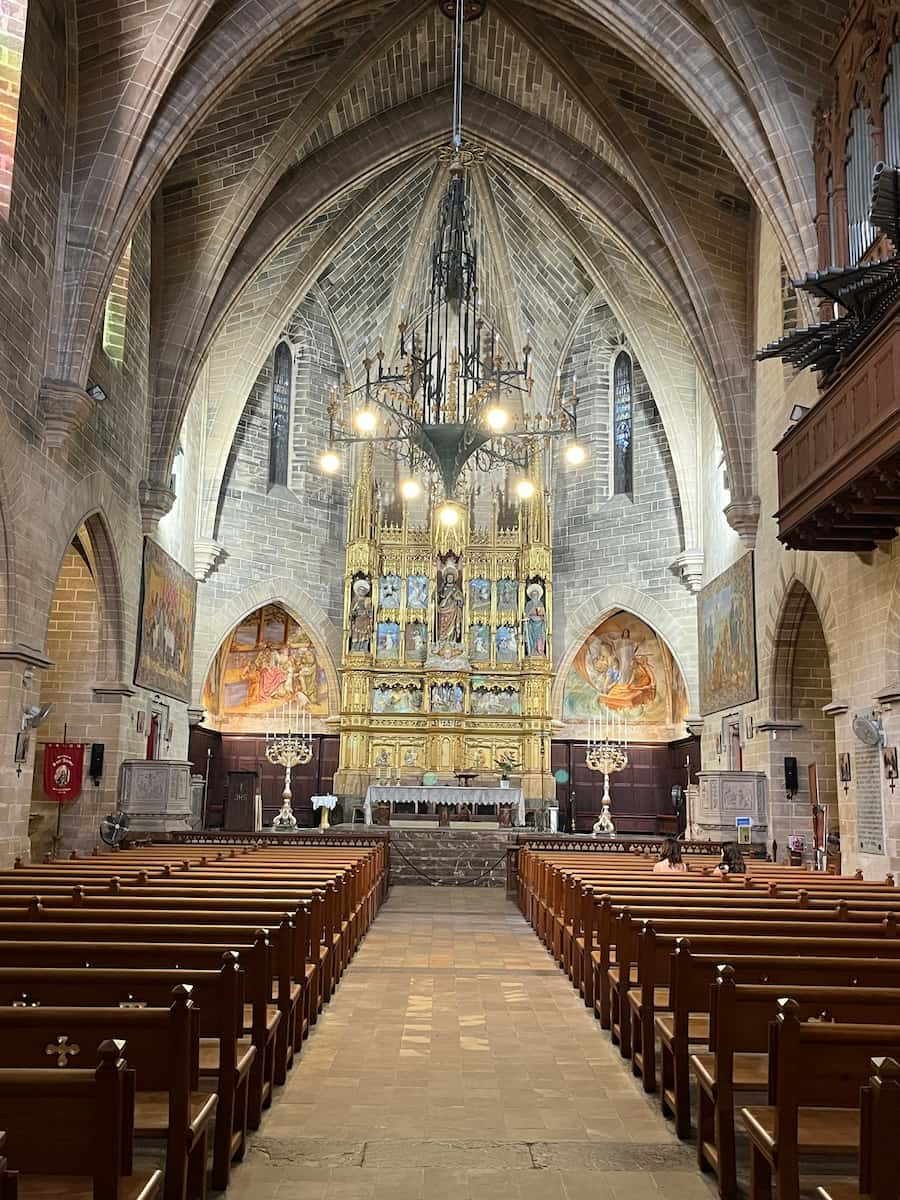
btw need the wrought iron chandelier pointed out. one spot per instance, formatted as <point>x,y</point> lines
<point>454,401</point>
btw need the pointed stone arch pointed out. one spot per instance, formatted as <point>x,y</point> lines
<point>298,603</point>
<point>800,580</point>
<point>680,640</point>
<point>90,506</point>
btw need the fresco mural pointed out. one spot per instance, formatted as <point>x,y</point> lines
<point>268,660</point>
<point>624,667</point>
<point>727,638</point>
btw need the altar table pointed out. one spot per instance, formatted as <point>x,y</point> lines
<point>436,794</point>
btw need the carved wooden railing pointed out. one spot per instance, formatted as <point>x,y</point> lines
<point>839,467</point>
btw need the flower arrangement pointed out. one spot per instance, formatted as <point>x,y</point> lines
<point>506,764</point>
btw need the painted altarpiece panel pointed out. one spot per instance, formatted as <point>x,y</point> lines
<point>166,630</point>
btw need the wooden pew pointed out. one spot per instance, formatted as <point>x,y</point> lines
<point>116,955</point>
<point>738,1043</point>
<point>104,929</point>
<point>225,1055</point>
<point>69,1133</point>
<point>656,942</point>
<point>596,923</point>
<point>815,1074</point>
<point>201,909</point>
<point>288,939</point>
<point>879,1113</point>
<point>164,1053</point>
<point>683,1029</point>
<point>9,1180</point>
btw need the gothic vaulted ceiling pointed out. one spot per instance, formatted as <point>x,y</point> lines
<point>291,146</point>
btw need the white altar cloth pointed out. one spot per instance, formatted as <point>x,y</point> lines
<point>436,794</point>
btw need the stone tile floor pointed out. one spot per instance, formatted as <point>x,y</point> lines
<point>456,1063</point>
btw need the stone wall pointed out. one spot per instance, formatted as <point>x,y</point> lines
<point>284,544</point>
<point>610,551</point>
<point>47,493</point>
<point>856,599</point>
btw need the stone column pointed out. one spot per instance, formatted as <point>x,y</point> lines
<point>19,689</point>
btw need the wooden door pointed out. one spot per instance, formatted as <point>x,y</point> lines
<point>239,800</point>
<point>561,760</point>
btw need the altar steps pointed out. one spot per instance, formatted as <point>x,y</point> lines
<point>448,857</point>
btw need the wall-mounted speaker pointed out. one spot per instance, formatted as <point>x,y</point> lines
<point>95,769</point>
<point>790,776</point>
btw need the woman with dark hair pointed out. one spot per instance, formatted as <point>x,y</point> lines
<point>732,861</point>
<point>669,858</point>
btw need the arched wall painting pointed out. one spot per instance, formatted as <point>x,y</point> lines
<point>624,667</point>
<point>268,660</point>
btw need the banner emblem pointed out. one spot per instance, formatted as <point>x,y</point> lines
<point>63,771</point>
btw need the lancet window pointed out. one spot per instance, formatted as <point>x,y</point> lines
<point>622,424</point>
<point>280,418</point>
<point>13,14</point>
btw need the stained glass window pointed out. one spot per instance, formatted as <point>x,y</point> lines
<point>13,14</point>
<point>280,424</point>
<point>623,425</point>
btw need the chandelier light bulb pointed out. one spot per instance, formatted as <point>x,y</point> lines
<point>575,454</point>
<point>496,419</point>
<point>449,515</point>
<point>410,489</point>
<point>365,421</point>
<point>524,489</point>
<point>330,462</point>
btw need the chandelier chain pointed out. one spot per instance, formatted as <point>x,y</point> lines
<point>457,73</point>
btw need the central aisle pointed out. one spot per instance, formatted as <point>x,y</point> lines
<point>455,1061</point>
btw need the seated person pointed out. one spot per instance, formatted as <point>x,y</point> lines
<point>669,858</point>
<point>731,862</point>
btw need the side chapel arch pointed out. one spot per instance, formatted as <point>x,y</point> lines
<point>299,605</point>
<point>601,607</point>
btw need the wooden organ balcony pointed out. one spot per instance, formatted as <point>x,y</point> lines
<point>839,466</point>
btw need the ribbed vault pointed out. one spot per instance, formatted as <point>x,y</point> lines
<point>275,133</point>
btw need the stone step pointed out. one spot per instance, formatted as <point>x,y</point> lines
<point>445,856</point>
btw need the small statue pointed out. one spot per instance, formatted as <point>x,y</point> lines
<point>535,622</point>
<point>285,822</point>
<point>361,617</point>
<point>449,608</point>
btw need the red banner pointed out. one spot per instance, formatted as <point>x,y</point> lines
<point>63,771</point>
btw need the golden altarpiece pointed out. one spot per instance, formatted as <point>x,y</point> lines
<point>447,657</point>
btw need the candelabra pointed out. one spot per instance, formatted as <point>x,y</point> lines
<point>607,752</point>
<point>289,748</point>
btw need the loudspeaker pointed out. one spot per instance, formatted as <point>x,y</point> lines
<point>95,770</point>
<point>790,776</point>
